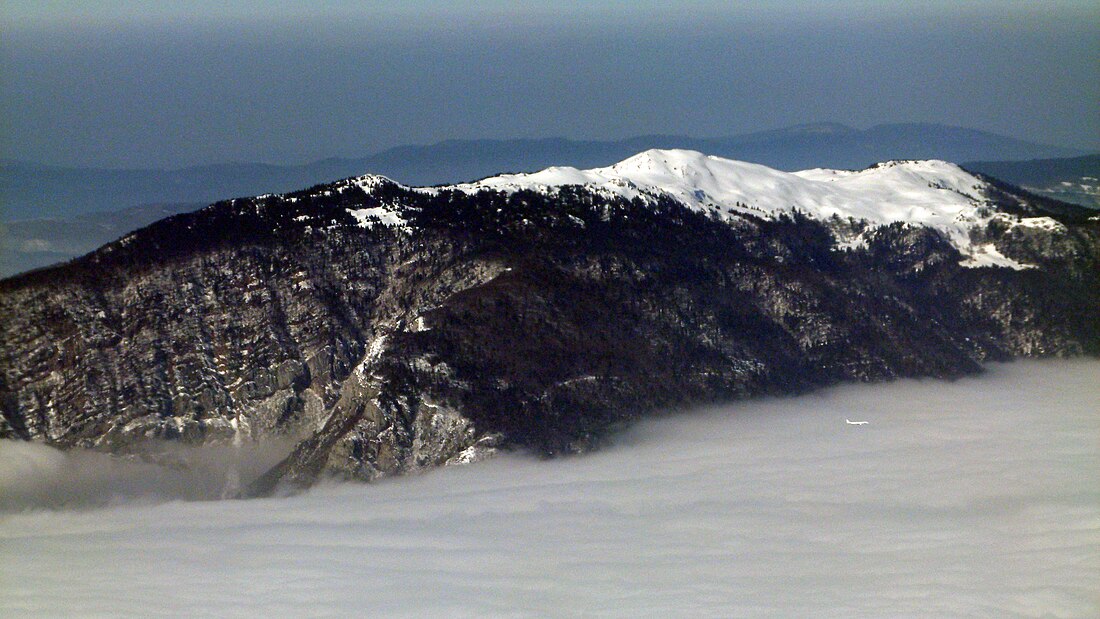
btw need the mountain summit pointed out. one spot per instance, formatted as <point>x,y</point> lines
<point>927,193</point>
<point>389,328</point>
<point>930,193</point>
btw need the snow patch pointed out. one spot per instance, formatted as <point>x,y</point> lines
<point>385,215</point>
<point>1042,223</point>
<point>987,255</point>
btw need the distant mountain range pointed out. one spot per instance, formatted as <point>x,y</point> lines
<point>33,191</point>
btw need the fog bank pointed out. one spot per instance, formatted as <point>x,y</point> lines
<point>34,476</point>
<point>971,498</point>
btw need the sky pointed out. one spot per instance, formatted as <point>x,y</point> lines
<point>974,498</point>
<point>138,84</point>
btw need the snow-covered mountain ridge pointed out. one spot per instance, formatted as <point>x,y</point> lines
<point>929,193</point>
<point>932,193</point>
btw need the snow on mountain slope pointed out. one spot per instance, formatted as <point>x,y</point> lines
<point>921,192</point>
<point>932,193</point>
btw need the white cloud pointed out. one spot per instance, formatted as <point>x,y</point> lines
<point>972,498</point>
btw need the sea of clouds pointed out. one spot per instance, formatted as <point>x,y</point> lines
<point>973,498</point>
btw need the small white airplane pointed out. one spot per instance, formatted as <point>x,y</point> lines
<point>855,423</point>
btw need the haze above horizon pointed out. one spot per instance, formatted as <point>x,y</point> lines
<point>166,86</point>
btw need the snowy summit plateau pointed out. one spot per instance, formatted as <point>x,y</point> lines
<point>935,194</point>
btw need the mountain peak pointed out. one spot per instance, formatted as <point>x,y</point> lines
<point>662,164</point>
<point>931,193</point>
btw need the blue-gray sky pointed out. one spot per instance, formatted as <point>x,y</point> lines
<point>137,84</point>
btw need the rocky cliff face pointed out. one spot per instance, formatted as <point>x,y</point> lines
<point>391,329</point>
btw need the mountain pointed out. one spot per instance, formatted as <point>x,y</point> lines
<point>36,243</point>
<point>31,191</point>
<point>1071,179</point>
<point>390,328</point>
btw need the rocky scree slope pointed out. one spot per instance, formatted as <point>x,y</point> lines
<point>390,329</point>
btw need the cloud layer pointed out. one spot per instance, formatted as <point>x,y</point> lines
<point>972,498</point>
